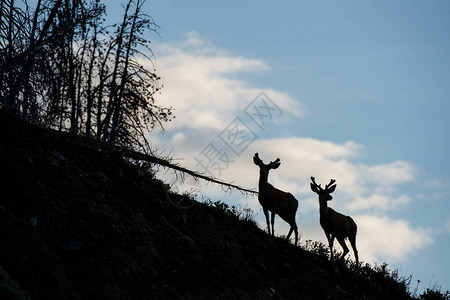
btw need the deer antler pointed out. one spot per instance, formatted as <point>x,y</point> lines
<point>332,181</point>
<point>313,179</point>
<point>257,160</point>
<point>274,162</point>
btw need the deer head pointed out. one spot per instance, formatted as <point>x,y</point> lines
<point>263,168</point>
<point>324,194</point>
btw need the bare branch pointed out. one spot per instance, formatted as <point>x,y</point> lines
<point>156,160</point>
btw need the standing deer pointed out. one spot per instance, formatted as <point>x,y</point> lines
<point>274,200</point>
<point>334,224</point>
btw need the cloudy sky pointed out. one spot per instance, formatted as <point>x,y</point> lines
<point>357,91</point>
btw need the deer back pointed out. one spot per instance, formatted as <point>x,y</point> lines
<point>289,207</point>
<point>338,224</point>
<point>282,203</point>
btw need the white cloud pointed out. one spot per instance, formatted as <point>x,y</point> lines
<point>380,238</point>
<point>201,83</point>
<point>378,202</point>
<point>391,174</point>
<point>447,225</point>
<point>178,137</point>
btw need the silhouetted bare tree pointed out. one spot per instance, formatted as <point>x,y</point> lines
<point>130,101</point>
<point>22,35</point>
<point>63,67</point>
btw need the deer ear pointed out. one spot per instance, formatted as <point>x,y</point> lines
<point>331,189</point>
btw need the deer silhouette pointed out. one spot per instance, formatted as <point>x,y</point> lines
<point>334,224</point>
<point>274,200</point>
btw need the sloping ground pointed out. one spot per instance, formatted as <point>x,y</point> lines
<point>78,223</point>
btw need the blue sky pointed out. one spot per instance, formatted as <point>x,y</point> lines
<point>361,94</point>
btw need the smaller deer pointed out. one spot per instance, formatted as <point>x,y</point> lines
<point>274,200</point>
<point>334,224</point>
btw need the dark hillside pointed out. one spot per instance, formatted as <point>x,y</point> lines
<point>79,223</point>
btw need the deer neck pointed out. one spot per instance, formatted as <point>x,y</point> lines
<point>263,184</point>
<point>323,209</point>
<point>264,189</point>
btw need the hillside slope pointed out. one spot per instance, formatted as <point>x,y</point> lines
<point>78,223</point>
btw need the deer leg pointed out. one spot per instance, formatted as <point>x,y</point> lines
<point>355,251</point>
<point>266,213</point>
<point>330,238</point>
<point>273,221</point>
<point>341,241</point>
<point>296,233</point>
<point>293,229</point>
<point>289,234</point>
